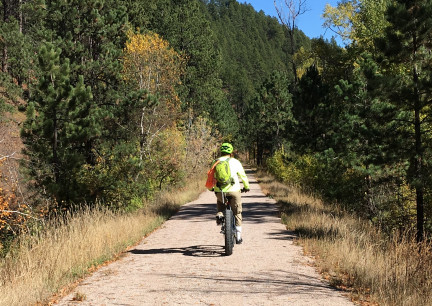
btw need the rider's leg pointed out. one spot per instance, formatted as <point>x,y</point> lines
<point>220,208</point>
<point>236,206</point>
<point>219,202</point>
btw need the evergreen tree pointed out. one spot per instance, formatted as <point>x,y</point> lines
<point>365,132</point>
<point>185,24</point>
<point>407,57</point>
<point>60,119</point>
<point>92,35</point>
<point>312,111</point>
<point>190,34</point>
<point>17,51</point>
<point>269,116</point>
<point>252,47</point>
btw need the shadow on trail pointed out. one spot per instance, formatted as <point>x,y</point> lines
<point>246,196</point>
<point>196,251</point>
<point>258,212</point>
<point>255,209</point>
<point>249,171</point>
<point>276,282</point>
<point>196,212</point>
<point>253,212</point>
<point>283,235</point>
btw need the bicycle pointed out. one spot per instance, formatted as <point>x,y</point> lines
<point>228,225</point>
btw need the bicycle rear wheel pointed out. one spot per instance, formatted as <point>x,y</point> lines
<point>229,232</point>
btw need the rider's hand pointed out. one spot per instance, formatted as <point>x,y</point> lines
<point>245,189</point>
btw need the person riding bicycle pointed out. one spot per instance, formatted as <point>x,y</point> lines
<point>233,190</point>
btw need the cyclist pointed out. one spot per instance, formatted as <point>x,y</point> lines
<point>232,191</point>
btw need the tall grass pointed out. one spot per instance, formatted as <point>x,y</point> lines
<point>351,253</point>
<point>67,249</point>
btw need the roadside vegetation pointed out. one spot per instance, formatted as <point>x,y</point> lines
<point>375,267</point>
<point>66,249</point>
<point>104,108</point>
<point>106,105</point>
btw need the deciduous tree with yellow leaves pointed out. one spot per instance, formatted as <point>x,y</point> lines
<point>357,21</point>
<point>152,66</point>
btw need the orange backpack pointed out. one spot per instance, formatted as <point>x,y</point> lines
<point>211,180</point>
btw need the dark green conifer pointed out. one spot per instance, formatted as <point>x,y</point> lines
<point>269,116</point>
<point>59,121</point>
<point>406,47</point>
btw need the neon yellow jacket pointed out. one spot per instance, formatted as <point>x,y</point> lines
<point>236,172</point>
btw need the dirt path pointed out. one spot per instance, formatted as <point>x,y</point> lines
<point>183,263</point>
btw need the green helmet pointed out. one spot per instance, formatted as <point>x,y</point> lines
<point>226,148</point>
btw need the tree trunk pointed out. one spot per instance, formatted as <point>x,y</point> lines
<point>260,153</point>
<point>54,149</point>
<point>418,176</point>
<point>5,50</point>
<point>5,59</point>
<point>292,40</point>
<point>20,16</point>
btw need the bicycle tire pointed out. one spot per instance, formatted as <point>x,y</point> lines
<point>229,232</point>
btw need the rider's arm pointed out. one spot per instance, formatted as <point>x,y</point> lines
<point>241,173</point>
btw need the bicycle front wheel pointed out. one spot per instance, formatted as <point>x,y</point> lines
<point>229,232</point>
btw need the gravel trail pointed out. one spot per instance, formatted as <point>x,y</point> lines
<point>183,263</point>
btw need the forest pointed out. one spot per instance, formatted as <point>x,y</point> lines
<point>113,101</point>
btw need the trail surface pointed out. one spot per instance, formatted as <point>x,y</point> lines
<point>183,263</point>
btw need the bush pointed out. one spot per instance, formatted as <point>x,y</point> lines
<point>323,174</point>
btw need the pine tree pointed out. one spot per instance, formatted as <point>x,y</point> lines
<point>365,131</point>
<point>91,35</point>
<point>201,88</point>
<point>60,120</point>
<point>407,57</point>
<point>313,112</point>
<point>17,52</point>
<point>269,116</point>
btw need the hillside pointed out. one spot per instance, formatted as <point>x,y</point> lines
<point>95,116</point>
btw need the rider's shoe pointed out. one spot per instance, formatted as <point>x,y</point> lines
<point>219,218</point>
<point>238,235</point>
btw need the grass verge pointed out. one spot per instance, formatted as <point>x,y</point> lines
<point>354,255</point>
<point>66,250</point>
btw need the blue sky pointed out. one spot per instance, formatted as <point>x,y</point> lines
<point>310,22</point>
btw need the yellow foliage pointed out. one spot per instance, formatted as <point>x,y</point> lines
<point>151,63</point>
<point>340,18</point>
<point>5,201</point>
<point>358,21</point>
<point>170,148</point>
<point>13,215</point>
<point>286,172</point>
<point>304,60</point>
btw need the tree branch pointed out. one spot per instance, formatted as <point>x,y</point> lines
<point>19,213</point>
<point>294,10</point>
<point>3,157</point>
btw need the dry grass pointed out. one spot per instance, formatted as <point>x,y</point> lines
<point>353,254</point>
<point>65,251</point>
